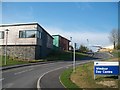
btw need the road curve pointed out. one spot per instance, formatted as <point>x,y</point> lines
<point>27,77</point>
<point>51,79</point>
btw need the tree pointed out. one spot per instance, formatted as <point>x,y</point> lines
<point>83,48</point>
<point>114,37</point>
<point>118,46</point>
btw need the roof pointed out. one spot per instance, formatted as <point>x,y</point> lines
<point>18,24</point>
<point>61,36</point>
<point>21,24</point>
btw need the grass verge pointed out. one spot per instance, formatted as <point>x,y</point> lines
<point>11,62</point>
<point>66,55</point>
<point>65,79</point>
<point>116,53</point>
<point>84,78</point>
<point>54,56</point>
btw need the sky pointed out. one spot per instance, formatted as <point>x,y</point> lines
<point>79,20</point>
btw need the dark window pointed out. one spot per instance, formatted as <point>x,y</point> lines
<point>38,34</point>
<point>30,34</point>
<point>22,34</point>
<point>1,34</point>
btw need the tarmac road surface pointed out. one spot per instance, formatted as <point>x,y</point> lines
<point>28,76</point>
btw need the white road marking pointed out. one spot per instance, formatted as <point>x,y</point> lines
<point>62,83</point>
<point>38,82</point>
<point>14,69</point>
<point>2,79</point>
<point>23,71</point>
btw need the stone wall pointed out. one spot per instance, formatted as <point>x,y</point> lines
<point>20,52</point>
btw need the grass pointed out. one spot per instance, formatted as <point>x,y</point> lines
<point>11,62</point>
<point>60,55</point>
<point>65,79</point>
<point>84,78</point>
<point>116,53</point>
<point>54,56</point>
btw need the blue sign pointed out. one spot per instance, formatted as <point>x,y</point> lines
<point>106,68</point>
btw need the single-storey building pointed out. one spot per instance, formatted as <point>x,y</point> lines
<point>60,43</point>
<point>26,41</point>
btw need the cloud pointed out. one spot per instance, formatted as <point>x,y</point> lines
<point>80,37</point>
<point>83,6</point>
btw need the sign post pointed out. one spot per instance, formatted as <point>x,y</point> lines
<point>106,68</point>
<point>6,46</point>
<point>74,58</point>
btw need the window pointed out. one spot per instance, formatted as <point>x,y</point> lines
<point>22,34</point>
<point>1,34</point>
<point>38,34</point>
<point>30,34</point>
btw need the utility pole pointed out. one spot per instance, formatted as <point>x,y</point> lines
<point>1,54</point>
<point>88,42</point>
<point>75,46</point>
<point>71,43</point>
<point>6,46</point>
<point>2,48</point>
<point>74,58</point>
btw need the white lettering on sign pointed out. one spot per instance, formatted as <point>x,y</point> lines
<point>98,71</point>
<point>98,68</point>
<point>106,68</point>
<point>107,72</point>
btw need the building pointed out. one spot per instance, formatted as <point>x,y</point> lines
<point>107,49</point>
<point>60,43</point>
<point>27,41</point>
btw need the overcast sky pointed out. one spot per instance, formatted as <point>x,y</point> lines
<point>79,20</point>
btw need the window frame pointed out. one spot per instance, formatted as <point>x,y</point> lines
<point>37,35</point>
<point>3,34</point>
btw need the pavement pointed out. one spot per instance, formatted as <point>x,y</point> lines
<point>46,74</point>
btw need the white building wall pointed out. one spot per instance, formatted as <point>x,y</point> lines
<point>13,35</point>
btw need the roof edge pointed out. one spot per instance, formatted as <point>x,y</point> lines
<point>62,37</point>
<point>28,23</point>
<point>18,24</point>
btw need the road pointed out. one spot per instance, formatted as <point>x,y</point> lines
<point>27,77</point>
